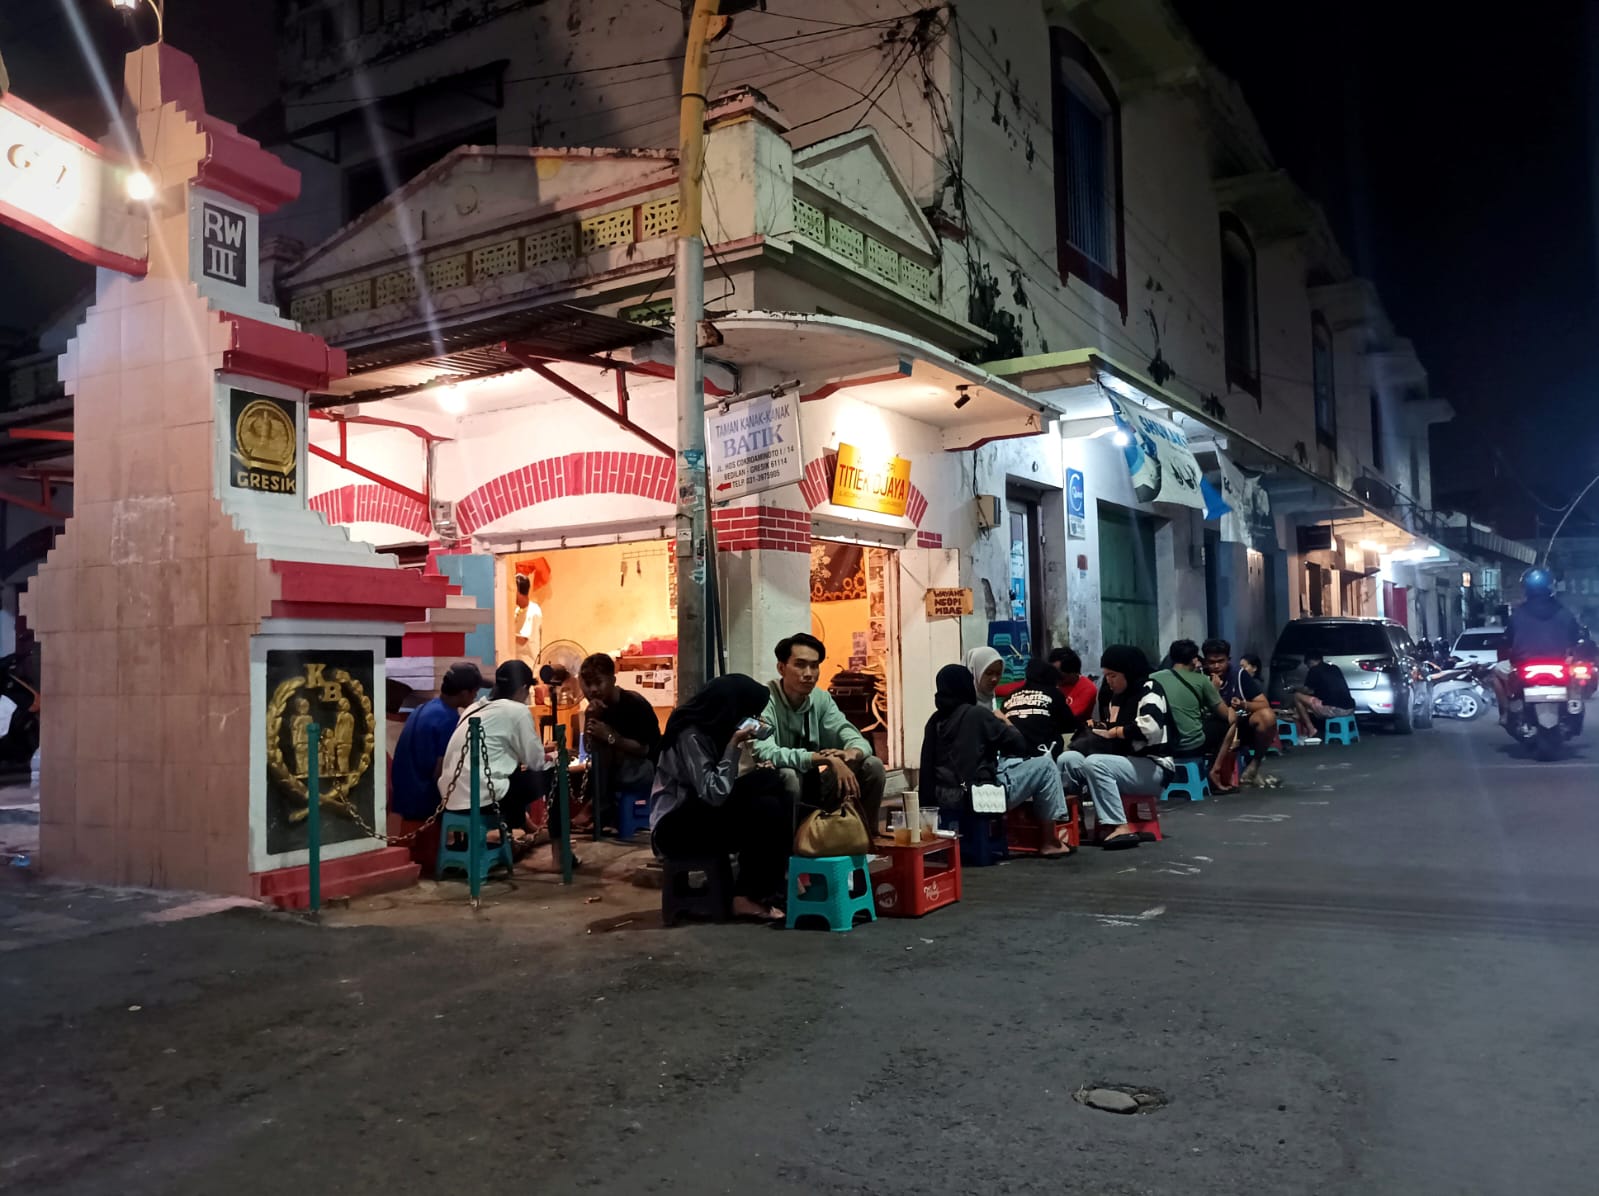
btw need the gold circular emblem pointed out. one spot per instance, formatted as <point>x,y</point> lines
<point>264,434</point>
<point>343,757</point>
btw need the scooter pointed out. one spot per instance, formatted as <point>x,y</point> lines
<point>1459,693</point>
<point>1553,701</point>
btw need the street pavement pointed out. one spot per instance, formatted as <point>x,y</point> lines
<point>1379,978</point>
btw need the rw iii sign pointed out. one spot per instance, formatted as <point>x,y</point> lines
<point>752,447</point>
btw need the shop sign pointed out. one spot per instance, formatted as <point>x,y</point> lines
<point>266,450</point>
<point>331,692</point>
<point>871,481</point>
<point>1162,465</point>
<point>753,447</point>
<point>1076,506</point>
<point>57,185</point>
<point>948,603</point>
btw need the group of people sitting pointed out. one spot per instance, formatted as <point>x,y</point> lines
<point>736,763</point>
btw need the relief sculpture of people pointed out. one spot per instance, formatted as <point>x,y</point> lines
<point>326,694</point>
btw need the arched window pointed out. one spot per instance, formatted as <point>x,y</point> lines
<point>1379,455</point>
<point>1088,170</point>
<point>1240,306</point>
<point>1321,366</point>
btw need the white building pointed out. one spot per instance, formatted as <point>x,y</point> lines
<point>962,235</point>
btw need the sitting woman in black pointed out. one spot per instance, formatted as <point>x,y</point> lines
<point>700,805</point>
<point>966,744</point>
<point>1039,711</point>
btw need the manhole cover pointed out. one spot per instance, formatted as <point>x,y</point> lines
<point>1120,1098</point>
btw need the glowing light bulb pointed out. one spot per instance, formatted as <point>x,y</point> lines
<point>1120,439</point>
<point>451,400</point>
<point>140,187</point>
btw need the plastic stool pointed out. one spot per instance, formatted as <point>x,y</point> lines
<point>830,894</point>
<point>1288,732</point>
<point>632,814</point>
<point>1190,779</point>
<point>702,887</point>
<point>1143,813</point>
<point>1341,728</point>
<point>492,856</point>
<point>983,839</point>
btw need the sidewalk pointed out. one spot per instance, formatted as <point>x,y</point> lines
<point>19,822</point>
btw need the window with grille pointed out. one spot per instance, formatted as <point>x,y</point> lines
<point>1240,306</point>
<point>1088,170</point>
<point>1321,366</point>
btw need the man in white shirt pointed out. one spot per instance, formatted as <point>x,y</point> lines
<point>512,760</point>
<point>528,622</point>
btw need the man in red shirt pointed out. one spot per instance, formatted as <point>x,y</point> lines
<point>1080,693</point>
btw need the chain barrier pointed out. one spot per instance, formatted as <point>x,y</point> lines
<point>348,808</point>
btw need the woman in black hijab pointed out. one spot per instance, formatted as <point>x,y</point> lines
<point>966,744</point>
<point>700,806</point>
<point>1128,742</point>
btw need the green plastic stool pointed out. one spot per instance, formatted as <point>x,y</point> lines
<point>1341,728</point>
<point>459,859</point>
<point>829,895</point>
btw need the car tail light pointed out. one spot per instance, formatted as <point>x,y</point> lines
<point>1548,673</point>
<point>1376,665</point>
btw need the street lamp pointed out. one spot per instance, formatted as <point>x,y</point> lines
<point>129,7</point>
<point>140,187</point>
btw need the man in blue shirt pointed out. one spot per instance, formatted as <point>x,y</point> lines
<point>419,754</point>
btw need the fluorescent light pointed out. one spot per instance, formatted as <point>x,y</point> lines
<point>140,187</point>
<point>1120,439</point>
<point>450,399</point>
<point>1370,546</point>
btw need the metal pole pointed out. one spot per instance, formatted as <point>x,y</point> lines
<point>563,804</point>
<point>474,843</point>
<point>688,307</point>
<point>1574,502</point>
<point>313,830</point>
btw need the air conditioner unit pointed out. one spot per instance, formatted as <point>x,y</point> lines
<point>442,515</point>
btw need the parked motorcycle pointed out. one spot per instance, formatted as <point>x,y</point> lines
<point>19,716</point>
<point>1460,692</point>
<point>1553,701</point>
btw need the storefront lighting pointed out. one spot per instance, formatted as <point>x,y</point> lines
<point>139,186</point>
<point>131,6</point>
<point>1120,439</point>
<point>965,396</point>
<point>1370,546</point>
<point>450,399</point>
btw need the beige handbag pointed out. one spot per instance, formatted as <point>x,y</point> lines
<point>837,832</point>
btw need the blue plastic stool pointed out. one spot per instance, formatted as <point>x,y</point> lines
<point>1341,728</point>
<point>983,839</point>
<point>1288,732</point>
<point>460,858</point>
<point>632,814</point>
<point>829,894</point>
<point>1194,782</point>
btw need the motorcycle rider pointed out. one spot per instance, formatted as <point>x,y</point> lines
<point>1540,628</point>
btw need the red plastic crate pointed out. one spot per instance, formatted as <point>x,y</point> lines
<point>1024,833</point>
<point>921,877</point>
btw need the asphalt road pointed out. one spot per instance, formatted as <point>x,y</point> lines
<point>1377,979</point>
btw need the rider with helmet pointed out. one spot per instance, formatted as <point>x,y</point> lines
<point>1539,629</point>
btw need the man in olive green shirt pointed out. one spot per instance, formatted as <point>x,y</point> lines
<point>809,729</point>
<point>1197,711</point>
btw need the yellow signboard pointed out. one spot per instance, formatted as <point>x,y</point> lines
<point>948,603</point>
<point>871,482</point>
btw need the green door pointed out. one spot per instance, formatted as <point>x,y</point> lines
<point>1128,610</point>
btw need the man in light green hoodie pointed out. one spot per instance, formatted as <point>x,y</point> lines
<point>809,729</point>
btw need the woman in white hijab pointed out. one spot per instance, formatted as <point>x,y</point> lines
<point>986,668</point>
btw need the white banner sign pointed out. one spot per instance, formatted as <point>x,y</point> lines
<point>754,446</point>
<point>58,186</point>
<point>1158,458</point>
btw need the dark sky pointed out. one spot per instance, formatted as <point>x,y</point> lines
<point>1455,158</point>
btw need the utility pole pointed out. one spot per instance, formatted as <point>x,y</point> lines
<point>688,310</point>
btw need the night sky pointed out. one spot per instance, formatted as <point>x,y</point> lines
<point>1455,159</point>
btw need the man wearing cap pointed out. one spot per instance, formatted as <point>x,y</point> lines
<point>419,755</point>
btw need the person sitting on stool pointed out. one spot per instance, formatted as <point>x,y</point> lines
<point>808,729</point>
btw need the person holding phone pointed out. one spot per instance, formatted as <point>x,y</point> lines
<point>701,806</point>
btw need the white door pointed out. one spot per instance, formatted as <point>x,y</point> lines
<point>926,645</point>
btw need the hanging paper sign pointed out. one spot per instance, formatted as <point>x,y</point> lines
<point>1162,465</point>
<point>949,603</point>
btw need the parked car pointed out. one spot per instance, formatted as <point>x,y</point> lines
<point>1478,645</point>
<point>1379,660</point>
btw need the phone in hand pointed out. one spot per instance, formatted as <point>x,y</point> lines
<point>756,728</point>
